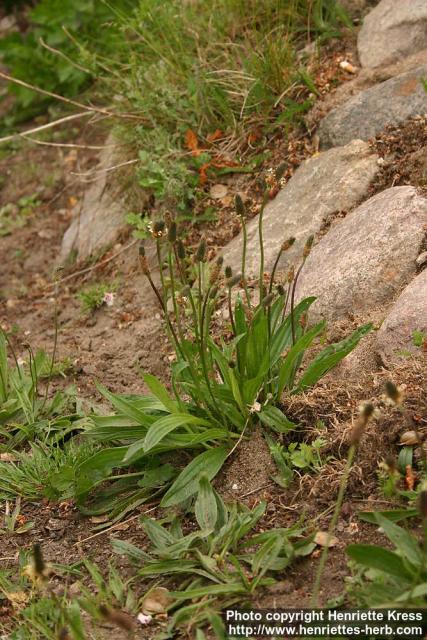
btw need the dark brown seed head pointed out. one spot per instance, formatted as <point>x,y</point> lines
<point>64,634</point>
<point>214,275</point>
<point>39,563</point>
<point>172,232</point>
<point>288,244</point>
<point>393,392</point>
<point>180,249</point>
<point>308,246</point>
<point>280,290</point>
<point>266,302</point>
<point>228,272</point>
<point>220,261</point>
<point>231,364</point>
<point>141,249</point>
<point>159,228</point>
<point>201,251</point>
<point>360,426</point>
<point>240,207</point>
<point>231,282</point>
<point>144,265</point>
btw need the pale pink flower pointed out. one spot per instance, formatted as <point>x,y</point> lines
<point>109,298</point>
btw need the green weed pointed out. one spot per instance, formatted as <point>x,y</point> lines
<point>26,411</point>
<point>218,564</point>
<point>44,471</point>
<point>15,216</point>
<point>14,524</point>
<point>95,296</point>
<point>393,578</point>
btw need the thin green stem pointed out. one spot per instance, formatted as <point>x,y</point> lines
<point>294,284</point>
<point>261,249</point>
<point>332,525</point>
<point>55,346</point>
<point>244,249</point>
<point>273,272</point>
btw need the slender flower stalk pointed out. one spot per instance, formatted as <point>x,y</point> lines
<point>241,212</point>
<point>358,430</point>
<point>306,253</point>
<point>261,247</point>
<point>284,247</point>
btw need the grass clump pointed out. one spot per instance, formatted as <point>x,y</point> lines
<point>26,410</point>
<point>95,296</point>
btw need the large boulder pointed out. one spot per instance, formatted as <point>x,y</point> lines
<point>368,112</point>
<point>396,336</point>
<point>392,30</point>
<point>325,184</point>
<point>365,260</point>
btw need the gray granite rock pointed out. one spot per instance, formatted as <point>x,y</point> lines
<point>392,30</point>
<point>368,112</point>
<point>324,184</point>
<point>368,257</point>
<point>408,314</point>
<point>100,218</point>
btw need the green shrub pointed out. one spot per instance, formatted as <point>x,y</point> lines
<point>78,30</point>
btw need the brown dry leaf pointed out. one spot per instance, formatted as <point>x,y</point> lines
<point>192,143</point>
<point>215,135</point>
<point>321,538</point>
<point>156,601</point>
<point>218,191</point>
<point>410,478</point>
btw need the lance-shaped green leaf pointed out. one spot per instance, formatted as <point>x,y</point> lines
<point>206,508</point>
<point>375,557</point>
<point>158,390</point>
<point>166,424</point>
<point>330,357</point>
<point>186,484</point>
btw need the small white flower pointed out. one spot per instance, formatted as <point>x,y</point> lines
<point>235,486</point>
<point>109,298</point>
<point>144,619</point>
<point>255,408</point>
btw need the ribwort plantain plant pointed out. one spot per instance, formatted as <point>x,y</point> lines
<point>223,385</point>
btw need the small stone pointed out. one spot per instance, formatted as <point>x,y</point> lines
<point>422,259</point>
<point>218,191</point>
<point>321,538</point>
